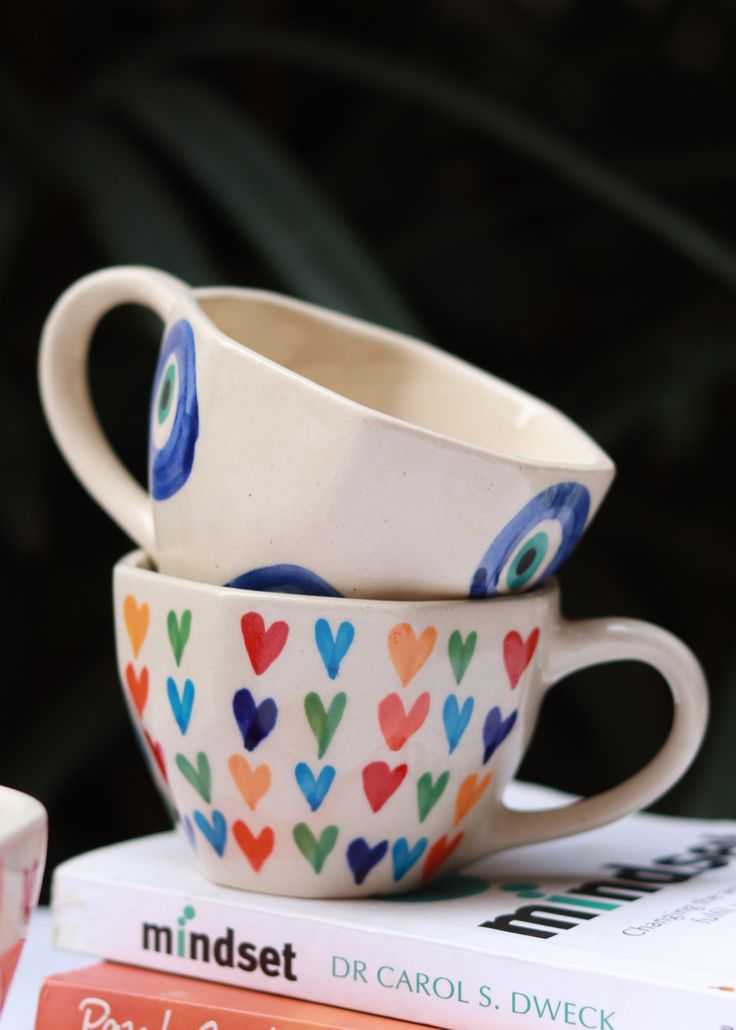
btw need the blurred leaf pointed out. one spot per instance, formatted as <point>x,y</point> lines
<point>133,212</point>
<point>268,199</point>
<point>465,106</point>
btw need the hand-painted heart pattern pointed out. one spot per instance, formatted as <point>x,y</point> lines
<point>256,848</point>
<point>263,645</point>
<point>495,730</point>
<point>253,784</point>
<point>243,804</point>
<point>333,648</point>
<point>137,685</point>
<point>517,653</point>
<point>408,651</point>
<point>397,725</point>
<point>181,703</point>
<point>255,721</point>
<point>380,782</point>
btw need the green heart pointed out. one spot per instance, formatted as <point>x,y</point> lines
<point>315,851</point>
<point>201,777</point>
<point>428,794</point>
<point>324,723</point>
<point>179,632</point>
<point>460,652</point>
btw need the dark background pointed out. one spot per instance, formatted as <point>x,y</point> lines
<point>545,187</point>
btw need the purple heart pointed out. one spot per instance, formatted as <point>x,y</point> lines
<point>189,830</point>
<point>495,730</point>
<point>362,857</point>
<point>255,722</point>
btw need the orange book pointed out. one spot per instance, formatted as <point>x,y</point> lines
<point>108,996</point>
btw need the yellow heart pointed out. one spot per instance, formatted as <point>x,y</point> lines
<point>252,783</point>
<point>408,651</point>
<point>470,791</point>
<point>136,621</point>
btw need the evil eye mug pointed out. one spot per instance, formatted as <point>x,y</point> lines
<point>297,450</point>
<point>22,856</point>
<point>334,747</point>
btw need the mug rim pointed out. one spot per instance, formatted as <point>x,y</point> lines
<point>601,463</point>
<point>30,814</point>
<point>140,562</point>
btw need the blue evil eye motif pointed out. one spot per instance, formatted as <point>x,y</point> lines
<point>174,424</point>
<point>535,543</point>
<point>284,579</point>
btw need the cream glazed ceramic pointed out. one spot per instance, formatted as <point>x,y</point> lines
<point>297,450</point>
<point>328,747</point>
<point>22,856</point>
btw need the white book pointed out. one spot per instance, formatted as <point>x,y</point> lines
<point>628,927</point>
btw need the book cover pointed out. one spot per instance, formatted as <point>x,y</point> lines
<point>626,927</point>
<point>109,996</point>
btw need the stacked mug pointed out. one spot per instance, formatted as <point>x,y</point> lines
<point>336,639</point>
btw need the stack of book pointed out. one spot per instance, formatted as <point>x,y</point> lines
<point>628,927</point>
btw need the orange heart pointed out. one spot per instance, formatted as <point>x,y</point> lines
<point>252,783</point>
<point>256,849</point>
<point>470,791</point>
<point>409,652</point>
<point>138,686</point>
<point>439,853</point>
<point>397,725</point>
<point>136,621</point>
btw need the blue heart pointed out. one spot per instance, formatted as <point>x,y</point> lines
<point>362,857</point>
<point>255,722</point>
<point>333,649</point>
<point>495,730</point>
<point>215,832</point>
<point>181,706</point>
<point>189,830</point>
<point>456,719</point>
<point>314,790</point>
<point>404,857</point>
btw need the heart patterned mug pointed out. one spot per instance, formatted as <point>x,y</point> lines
<point>331,747</point>
<point>297,450</point>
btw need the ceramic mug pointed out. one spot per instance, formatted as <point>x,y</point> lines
<point>297,450</point>
<point>22,856</point>
<point>329,747</point>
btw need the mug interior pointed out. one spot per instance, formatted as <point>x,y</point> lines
<point>400,377</point>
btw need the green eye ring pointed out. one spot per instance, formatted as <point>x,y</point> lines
<point>527,561</point>
<point>166,394</point>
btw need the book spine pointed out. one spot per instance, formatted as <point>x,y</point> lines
<point>435,983</point>
<point>70,1006</point>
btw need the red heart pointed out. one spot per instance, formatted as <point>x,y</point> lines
<point>138,686</point>
<point>396,725</point>
<point>158,753</point>
<point>263,645</point>
<point>517,654</point>
<point>380,782</point>
<point>438,853</point>
<point>256,849</point>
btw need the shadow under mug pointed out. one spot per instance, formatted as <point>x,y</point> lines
<point>327,747</point>
<point>297,450</point>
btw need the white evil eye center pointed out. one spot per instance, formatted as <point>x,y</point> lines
<point>532,556</point>
<point>165,403</point>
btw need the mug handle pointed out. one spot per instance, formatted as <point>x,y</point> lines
<point>64,385</point>
<point>577,645</point>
